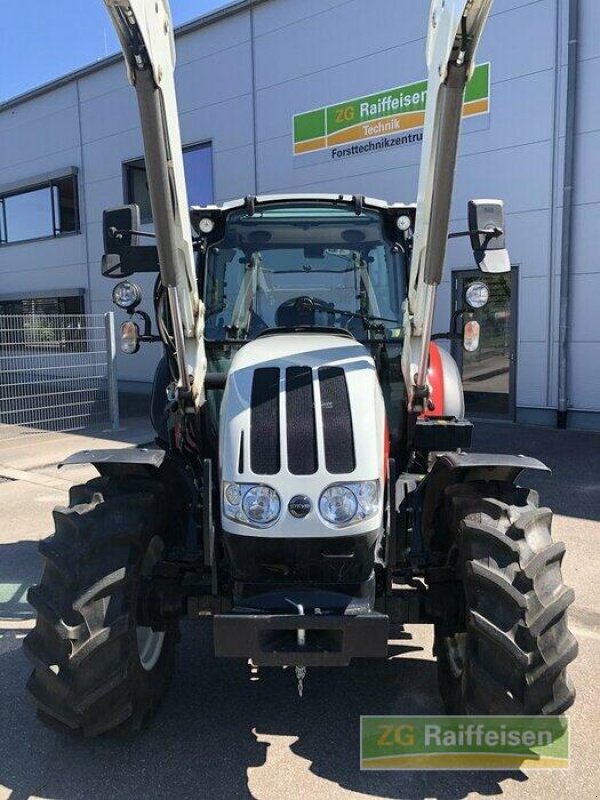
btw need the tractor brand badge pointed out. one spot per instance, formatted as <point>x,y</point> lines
<point>299,506</point>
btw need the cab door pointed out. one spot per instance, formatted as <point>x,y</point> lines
<point>489,373</point>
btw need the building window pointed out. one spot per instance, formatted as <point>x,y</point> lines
<point>45,209</point>
<point>43,305</point>
<point>197,164</point>
<point>44,323</point>
<point>137,188</point>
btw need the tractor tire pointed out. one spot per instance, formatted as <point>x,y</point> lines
<point>512,653</point>
<point>96,669</point>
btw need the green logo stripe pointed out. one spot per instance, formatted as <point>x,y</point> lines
<point>309,125</point>
<point>392,103</point>
<point>463,742</point>
<point>478,87</point>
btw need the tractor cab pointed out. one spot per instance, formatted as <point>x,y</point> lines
<point>297,264</point>
<point>301,264</point>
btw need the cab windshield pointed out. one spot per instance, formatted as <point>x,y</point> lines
<point>310,265</point>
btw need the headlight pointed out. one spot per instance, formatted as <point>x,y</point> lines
<point>127,295</point>
<point>344,503</point>
<point>251,504</point>
<point>477,295</point>
<point>206,225</point>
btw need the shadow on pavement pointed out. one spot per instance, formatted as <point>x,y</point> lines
<point>573,488</point>
<point>19,568</point>
<point>217,723</point>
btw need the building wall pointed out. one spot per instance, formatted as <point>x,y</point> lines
<point>242,78</point>
<point>584,349</point>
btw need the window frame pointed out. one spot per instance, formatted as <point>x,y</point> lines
<point>50,182</point>
<point>132,163</point>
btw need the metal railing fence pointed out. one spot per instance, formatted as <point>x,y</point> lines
<point>57,373</point>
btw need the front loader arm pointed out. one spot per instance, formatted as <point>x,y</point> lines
<point>145,32</point>
<point>455,28</point>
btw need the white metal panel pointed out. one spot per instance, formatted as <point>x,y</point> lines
<point>57,132</point>
<point>533,311</point>
<point>103,158</point>
<point>108,79</point>
<point>37,277</point>
<point>585,300</point>
<point>368,415</point>
<point>101,194</point>
<point>109,114</point>
<point>589,45</point>
<point>585,238</point>
<point>49,254</point>
<point>34,111</point>
<point>585,381</point>
<point>226,125</point>
<point>588,90</point>
<point>273,16</point>
<point>521,176</point>
<point>529,237</point>
<point>526,101</point>
<point>221,37</point>
<point>215,78</point>
<point>587,168</point>
<point>342,34</point>
<point>532,369</point>
<point>234,173</point>
<point>520,41</point>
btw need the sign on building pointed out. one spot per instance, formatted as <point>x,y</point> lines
<point>386,114</point>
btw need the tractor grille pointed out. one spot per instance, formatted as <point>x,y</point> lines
<point>337,421</point>
<point>301,430</point>
<point>264,422</point>
<point>300,422</point>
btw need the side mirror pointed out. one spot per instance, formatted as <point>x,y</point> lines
<point>122,254</point>
<point>486,229</point>
<point>117,224</point>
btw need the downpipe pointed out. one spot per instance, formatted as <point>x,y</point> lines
<point>566,250</point>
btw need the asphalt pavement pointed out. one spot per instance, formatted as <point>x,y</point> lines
<point>226,733</point>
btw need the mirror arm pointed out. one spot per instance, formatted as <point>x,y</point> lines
<point>453,334</point>
<point>118,234</point>
<point>147,335</point>
<point>494,233</point>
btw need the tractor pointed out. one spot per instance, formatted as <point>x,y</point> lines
<point>311,482</point>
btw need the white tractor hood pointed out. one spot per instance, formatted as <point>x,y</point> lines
<point>302,411</point>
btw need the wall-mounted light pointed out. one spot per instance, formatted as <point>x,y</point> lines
<point>127,295</point>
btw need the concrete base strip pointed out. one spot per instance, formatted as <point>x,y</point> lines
<point>17,624</point>
<point>35,477</point>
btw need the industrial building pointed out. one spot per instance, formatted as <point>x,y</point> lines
<point>327,96</point>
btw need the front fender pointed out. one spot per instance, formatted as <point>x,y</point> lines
<point>126,460</point>
<point>450,468</point>
<point>485,466</point>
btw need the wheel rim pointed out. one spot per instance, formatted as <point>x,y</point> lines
<point>149,642</point>
<point>456,648</point>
